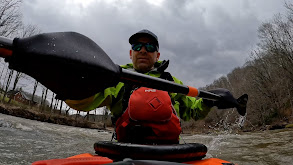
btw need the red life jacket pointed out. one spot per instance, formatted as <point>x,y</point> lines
<point>149,118</point>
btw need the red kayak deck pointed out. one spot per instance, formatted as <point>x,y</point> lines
<point>89,159</point>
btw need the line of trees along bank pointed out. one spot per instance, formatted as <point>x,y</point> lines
<point>267,78</point>
<point>12,26</point>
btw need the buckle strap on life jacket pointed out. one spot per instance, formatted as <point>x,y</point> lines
<point>128,88</point>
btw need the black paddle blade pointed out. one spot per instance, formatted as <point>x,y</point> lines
<point>242,102</point>
<point>68,63</point>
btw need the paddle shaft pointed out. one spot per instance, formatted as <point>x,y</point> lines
<point>5,47</point>
<point>161,84</point>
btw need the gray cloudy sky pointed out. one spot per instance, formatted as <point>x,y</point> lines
<point>203,39</point>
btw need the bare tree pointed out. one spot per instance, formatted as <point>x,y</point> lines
<point>60,108</point>
<point>7,83</point>
<point>52,100</point>
<point>44,98</point>
<point>4,67</point>
<point>56,104</point>
<point>10,17</point>
<point>67,110</point>
<point>267,78</point>
<point>35,89</point>
<point>27,30</point>
<point>17,77</point>
<point>87,116</point>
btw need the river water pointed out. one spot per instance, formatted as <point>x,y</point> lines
<point>24,141</point>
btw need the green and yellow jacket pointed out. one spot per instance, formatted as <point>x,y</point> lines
<point>114,98</point>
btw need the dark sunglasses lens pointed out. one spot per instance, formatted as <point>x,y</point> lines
<point>136,47</point>
<point>150,47</point>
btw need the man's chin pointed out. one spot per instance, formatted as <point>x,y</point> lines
<point>143,68</point>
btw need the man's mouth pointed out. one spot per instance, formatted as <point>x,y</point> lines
<point>143,59</point>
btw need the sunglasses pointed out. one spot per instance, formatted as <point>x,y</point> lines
<point>148,46</point>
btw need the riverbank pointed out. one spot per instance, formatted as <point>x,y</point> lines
<point>192,127</point>
<point>36,114</point>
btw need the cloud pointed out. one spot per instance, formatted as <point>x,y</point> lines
<point>203,39</point>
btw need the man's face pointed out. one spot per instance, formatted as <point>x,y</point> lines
<point>143,60</point>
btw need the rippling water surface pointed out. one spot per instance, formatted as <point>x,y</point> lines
<point>24,141</point>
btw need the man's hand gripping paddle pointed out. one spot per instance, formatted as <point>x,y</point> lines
<point>74,67</point>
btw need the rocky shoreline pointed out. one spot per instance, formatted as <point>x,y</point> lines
<point>51,118</point>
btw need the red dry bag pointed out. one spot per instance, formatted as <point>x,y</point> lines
<point>149,118</point>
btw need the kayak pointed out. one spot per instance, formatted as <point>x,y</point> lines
<point>116,153</point>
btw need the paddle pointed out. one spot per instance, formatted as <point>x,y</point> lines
<point>75,67</point>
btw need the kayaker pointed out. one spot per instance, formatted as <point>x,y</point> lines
<point>143,115</point>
